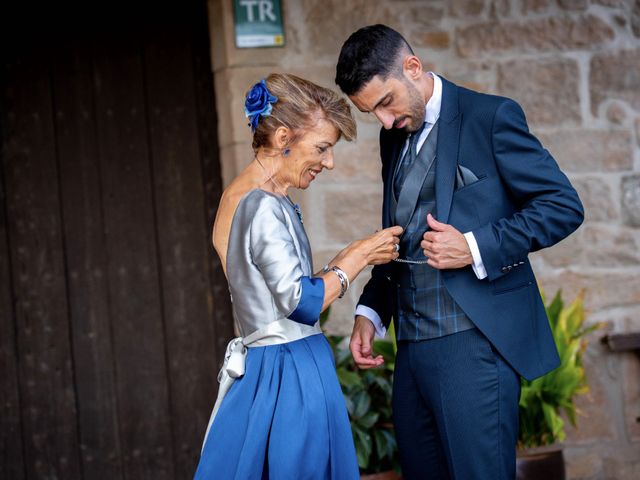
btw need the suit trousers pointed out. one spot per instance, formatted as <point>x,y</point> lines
<point>455,409</point>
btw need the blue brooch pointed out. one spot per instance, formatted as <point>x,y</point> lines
<point>258,104</point>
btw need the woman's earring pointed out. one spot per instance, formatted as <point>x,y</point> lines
<point>285,152</point>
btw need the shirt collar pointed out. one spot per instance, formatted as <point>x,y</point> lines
<point>432,109</point>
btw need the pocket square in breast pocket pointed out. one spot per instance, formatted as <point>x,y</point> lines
<point>464,177</point>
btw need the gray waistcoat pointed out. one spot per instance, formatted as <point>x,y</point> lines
<point>425,308</point>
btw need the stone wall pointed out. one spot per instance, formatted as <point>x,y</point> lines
<point>574,66</point>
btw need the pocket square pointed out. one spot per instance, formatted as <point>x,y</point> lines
<point>464,177</point>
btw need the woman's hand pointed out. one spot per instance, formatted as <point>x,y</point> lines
<point>380,247</point>
<point>375,249</point>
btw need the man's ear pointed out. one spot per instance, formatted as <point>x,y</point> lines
<point>412,67</point>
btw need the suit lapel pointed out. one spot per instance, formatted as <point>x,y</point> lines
<point>447,150</point>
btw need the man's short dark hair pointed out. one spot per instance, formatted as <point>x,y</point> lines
<point>368,52</point>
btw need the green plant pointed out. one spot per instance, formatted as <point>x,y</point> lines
<point>543,399</point>
<point>367,394</point>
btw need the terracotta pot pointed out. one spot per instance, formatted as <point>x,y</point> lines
<point>390,475</point>
<point>546,464</point>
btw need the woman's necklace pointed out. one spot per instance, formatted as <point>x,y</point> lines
<point>296,207</point>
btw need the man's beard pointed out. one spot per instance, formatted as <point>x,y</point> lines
<point>416,109</point>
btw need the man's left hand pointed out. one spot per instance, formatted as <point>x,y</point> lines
<point>444,246</point>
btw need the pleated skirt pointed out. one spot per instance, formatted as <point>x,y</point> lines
<point>284,419</point>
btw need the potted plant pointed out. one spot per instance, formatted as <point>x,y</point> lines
<point>544,400</point>
<point>367,394</point>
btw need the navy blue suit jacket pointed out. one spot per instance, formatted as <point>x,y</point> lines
<point>520,203</point>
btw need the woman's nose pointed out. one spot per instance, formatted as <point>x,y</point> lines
<point>327,162</point>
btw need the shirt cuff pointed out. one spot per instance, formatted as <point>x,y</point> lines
<point>477,265</point>
<point>374,318</point>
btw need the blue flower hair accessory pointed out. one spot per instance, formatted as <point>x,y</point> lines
<point>259,103</point>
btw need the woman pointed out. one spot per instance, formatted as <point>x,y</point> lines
<point>285,416</point>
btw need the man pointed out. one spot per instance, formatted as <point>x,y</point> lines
<point>476,193</point>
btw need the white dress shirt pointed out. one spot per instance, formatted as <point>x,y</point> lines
<point>432,113</point>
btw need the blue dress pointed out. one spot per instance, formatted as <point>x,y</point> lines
<point>285,418</point>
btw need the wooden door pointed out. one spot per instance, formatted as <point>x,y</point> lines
<point>114,312</point>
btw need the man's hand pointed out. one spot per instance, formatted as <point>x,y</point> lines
<point>361,343</point>
<point>445,246</point>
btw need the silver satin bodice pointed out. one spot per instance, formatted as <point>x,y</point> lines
<point>267,256</point>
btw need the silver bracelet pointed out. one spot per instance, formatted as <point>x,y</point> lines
<point>344,280</point>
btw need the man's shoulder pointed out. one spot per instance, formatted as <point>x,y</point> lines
<point>476,99</point>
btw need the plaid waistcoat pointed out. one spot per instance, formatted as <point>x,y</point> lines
<point>425,308</point>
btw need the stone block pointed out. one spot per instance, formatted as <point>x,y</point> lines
<point>535,5</point>
<point>616,113</point>
<point>356,162</point>
<point>606,289</point>
<point>631,200</point>
<point>583,150</point>
<point>635,18</point>
<point>615,75</point>
<point>466,8</point>
<point>546,89</point>
<point>610,246</point>
<point>437,40</point>
<point>593,421</point>
<point>623,465</point>
<point>328,23</point>
<point>426,14</point>
<point>499,9</point>
<point>565,253</point>
<point>581,465</point>
<point>597,199</point>
<point>573,4</point>
<point>233,159</point>
<point>609,3</point>
<point>631,394</point>
<point>549,34</point>
<point>352,214</point>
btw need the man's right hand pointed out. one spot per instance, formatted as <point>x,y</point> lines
<point>361,344</point>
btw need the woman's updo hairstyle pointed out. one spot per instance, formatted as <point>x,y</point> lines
<point>298,105</point>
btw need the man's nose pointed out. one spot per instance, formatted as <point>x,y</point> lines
<point>385,118</point>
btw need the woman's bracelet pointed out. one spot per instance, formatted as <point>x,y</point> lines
<point>344,280</point>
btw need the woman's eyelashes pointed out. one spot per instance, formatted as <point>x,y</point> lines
<point>323,148</point>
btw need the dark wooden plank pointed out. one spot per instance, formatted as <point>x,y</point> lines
<point>11,458</point>
<point>78,159</point>
<point>38,275</point>
<point>137,323</point>
<point>622,342</point>
<point>219,300</point>
<point>182,237</point>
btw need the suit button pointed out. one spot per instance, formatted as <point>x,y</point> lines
<point>520,263</point>
<point>504,269</point>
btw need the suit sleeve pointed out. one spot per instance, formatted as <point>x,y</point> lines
<point>548,208</point>
<point>376,293</point>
